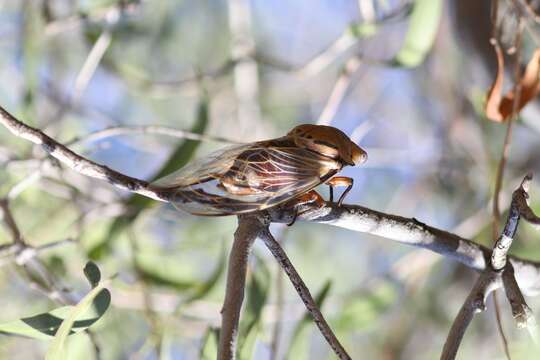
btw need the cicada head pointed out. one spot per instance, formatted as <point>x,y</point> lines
<point>328,141</point>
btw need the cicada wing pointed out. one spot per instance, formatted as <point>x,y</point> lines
<point>269,175</point>
<point>211,166</point>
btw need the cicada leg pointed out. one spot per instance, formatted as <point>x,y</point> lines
<point>340,181</point>
<point>308,198</point>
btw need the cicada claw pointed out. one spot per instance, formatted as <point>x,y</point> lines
<point>308,199</point>
<point>340,181</point>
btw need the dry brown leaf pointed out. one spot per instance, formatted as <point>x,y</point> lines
<point>500,108</point>
<point>494,94</point>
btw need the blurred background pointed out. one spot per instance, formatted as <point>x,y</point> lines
<point>405,79</point>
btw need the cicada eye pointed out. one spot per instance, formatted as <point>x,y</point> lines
<point>358,155</point>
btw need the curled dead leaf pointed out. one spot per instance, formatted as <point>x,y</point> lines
<point>500,108</point>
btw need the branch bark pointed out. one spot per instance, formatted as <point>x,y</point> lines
<point>75,161</point>
<point>475,303</point>
<point>498,273</point>
<point>303,292</point>
<point>412,232</point>
<point>249,226</point>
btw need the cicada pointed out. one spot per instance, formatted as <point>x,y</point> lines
<point>259,175</point>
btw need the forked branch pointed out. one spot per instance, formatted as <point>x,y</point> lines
<point>499,273</point>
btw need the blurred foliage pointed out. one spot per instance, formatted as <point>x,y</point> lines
<point>415,103</point>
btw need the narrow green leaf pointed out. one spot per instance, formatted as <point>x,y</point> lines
<point>44,326</point>
<point>298,345</point>
<point>423,25</point>
<point>180,157</point>
<point>57,349</point>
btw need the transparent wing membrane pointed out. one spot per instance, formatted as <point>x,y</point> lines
<point>247,178</point>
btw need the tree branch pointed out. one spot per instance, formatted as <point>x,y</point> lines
<point>520,310</point>
<point>303,292</point>
<point>491,277</point>
<point>75,161</point>
<point>249,226</point>
<point>475,303</point>
<point>410,231</point>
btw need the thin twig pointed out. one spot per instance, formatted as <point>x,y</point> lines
<point>475,303</point>
<point>338,92</point>
<point>346,40</point>
<point>9,220</point>
<point>520,310</point>
<point>502,162</point>
<point>147,129</point>
<point>75,161</point>
<point>503,243</point>
<point>91,64</point>
<point>490,280</point>
<point>304,293</point>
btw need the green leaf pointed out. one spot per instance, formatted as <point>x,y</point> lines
<point>180,157</point>
<point>210,344</point>
<point>298,346</point>
<point>92,273</point>
<point>45,325</point>
<point>423,25</point>
<point>56,350</point>
<point>258,289</point>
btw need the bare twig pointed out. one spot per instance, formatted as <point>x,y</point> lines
<point>475,303</point>
<point>503,241</point>
<point>303,292</point>
<point>520,310</point>
<point>339,91</point>
<point>347,40</point>
<point>75,161</point>
<point>147,129</point>
<point>490,279</point>
<point>249,227</point>
<point>91,63</point>
<point>7,216</point>
<point>519,204</point>
<point>96,15</point>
